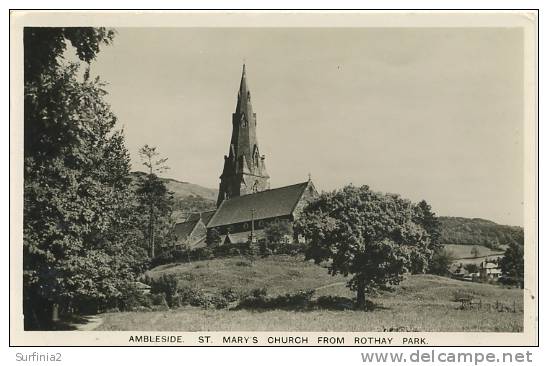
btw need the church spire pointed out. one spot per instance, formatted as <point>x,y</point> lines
<point>244,170</point>
<point>244,96</point>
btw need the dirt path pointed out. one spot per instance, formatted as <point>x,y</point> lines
<point>93,321</point>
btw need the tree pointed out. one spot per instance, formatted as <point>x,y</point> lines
<point>471,268</point>
<point>475,252</point>
<point>372,236</point>
<point>80,245</point>
<point>276,231</point>
<point>512,264</point>
<point>213,238</point>
<point>430,222</point>
<point>156,199</point>
<point>441,262</point>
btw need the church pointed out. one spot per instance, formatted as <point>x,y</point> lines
<point>246,204</point>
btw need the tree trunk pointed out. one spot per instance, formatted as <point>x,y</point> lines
<point>55,313</point>
<point>151,230</point>
<point>360,297</point>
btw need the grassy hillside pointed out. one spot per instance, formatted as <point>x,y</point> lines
<point>461,230</point>
<point>463,251</point>
<point>280,274</point>
<point>188,197</point>
<point>419,303</point>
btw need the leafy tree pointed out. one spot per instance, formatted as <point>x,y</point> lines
<point>213,238</point>
<point>277,230</point>
<point>475,252</point>
<point>81,246</point>
<point>372,236</point>
<point>441,262</point>
<point>156,199</point>
<point>471,267</point>
<point>430,222</point>
<point>512,264</point>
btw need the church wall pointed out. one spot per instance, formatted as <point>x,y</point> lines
<point>246,226</point>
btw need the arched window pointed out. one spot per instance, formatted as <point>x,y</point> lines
<point>256,155</point>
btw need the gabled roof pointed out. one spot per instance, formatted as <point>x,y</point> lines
<point>489,265</point>
<point>206,216</point>
<point>183,229</point>
<point>266,204</point>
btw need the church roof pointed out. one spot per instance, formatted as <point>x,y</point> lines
<point>183,229</point>
<point>270,203</point>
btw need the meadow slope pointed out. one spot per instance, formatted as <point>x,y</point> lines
<point>419,303</point>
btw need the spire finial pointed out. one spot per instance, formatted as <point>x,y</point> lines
<point>309,177</point>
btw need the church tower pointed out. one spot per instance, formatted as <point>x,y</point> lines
<point>244,169</point>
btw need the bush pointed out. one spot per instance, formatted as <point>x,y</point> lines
<point>229,294</point>
<point>218,301</point>
<point>202,253</point>
<point>132,298</point>
<point>167,285</point>
<point>335,303</point>
<point>257,299</point>
<point>159,300</point>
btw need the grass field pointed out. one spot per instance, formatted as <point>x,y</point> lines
<point>419,303</point>
<point>462,253</point>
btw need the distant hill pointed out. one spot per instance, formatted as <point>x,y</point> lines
<point>188,197</point>
<point>461,230</point>
<point>191,198</point>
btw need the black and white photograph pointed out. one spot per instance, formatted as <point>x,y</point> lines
<point>341,176</point>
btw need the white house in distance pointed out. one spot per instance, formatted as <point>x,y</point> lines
<point>489,270</point>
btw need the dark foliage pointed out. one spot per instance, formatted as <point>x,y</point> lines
<point>512,265</point>
<point>460,230</point>
<point>213,238</point>
<point>441,262</point>
<point>81,242</point>
<point>276,231</point>
<point>374,237</point>
<point>167,285</point>
<point>258,299</point>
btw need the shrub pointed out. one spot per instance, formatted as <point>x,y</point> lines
<point>229,294</point>
<point>166,284</point>
<point>132,298</point>
<point>203,253</point>
<point>159,300</point>
<point>186,295</point>
<point>218,301</point>
<point>257,299</point>
<point>277,230</point>
<point>335,303</point>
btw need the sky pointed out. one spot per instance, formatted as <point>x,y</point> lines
<point>429,113</point>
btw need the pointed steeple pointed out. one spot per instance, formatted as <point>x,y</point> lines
<point>244,97</point>
<point>244,171</point>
